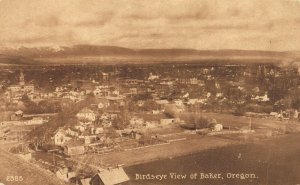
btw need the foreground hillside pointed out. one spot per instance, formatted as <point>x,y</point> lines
<point>13,166</point>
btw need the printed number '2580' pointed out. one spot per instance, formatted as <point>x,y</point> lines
<point>14,178</point>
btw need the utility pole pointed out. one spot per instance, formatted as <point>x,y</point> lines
<point>53,158</point>
<point>250,123</point>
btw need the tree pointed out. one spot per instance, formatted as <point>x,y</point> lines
<point>201,122</point>
<point>151,105</point>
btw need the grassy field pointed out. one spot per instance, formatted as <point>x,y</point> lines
<point>257,123</point>
<point>264,129</point>
<point>194,144</point>
<point>274,162</point>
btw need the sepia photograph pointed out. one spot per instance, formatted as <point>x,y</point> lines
<point>149,92</point>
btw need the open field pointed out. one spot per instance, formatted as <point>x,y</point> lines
<point>264,129</point>
<point>136,156</point>
<point>274,162</point>
<point>256,123</point>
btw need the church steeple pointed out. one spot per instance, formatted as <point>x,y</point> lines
<point>22,79</point>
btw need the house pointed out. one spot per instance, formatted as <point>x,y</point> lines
<point>106,123</point>
<point>132,133</point>
<point>72,132</point>
<point>218,127</point>
<point>21,87</point>
<point>151,124</point>
<point>110,177</point>
<point>296,114</point>
<point>263,98</point>
<point>140,103</point>
<point>74,147</point>
<point>97,130</point>
<point>61,137</point>
<point>17,115</point>
<point>178,103</point>
<point>167,121</point>
<point>103,103</point>
<point>155,111</point>
<point>135,121</point>
<point>101,90</point>
<point>80,127</point>
<point>108,116</point>
<point>191,81</point>
<point>218,95</point>
<point>133,91</point>
<point>89,139</point>
<point>85,181</point>
<point>64,174</point>
<point>162,102</point>
<point>192,101</point>
<point>105,76</point>
<point>104,116</point>
<point>131,81</point>
<point>35,121</point>
<point>274,114</point>
<point>153,77</point>
<point>86,114</point>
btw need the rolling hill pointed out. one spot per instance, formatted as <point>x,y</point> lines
<point>114,54</point>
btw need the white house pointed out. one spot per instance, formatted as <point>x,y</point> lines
<point>167,121</point>
<point>72,132</point>
<point>86,114</point>
<point>110,177</point>
<point>135,121</point>
<point>103,104</point>
<point>263,98</point>
<point>35,121</point>
<point>64,174</point>
<point>60,137</point>
<point>218,127</point>
<point>178,102</point>
<point>153,77</point>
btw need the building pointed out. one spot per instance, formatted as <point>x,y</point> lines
<point>132,81</point>
<point>263,98</point>
<point>167,121</point>
<point>61,137</point>
<point>103,103</point>
<point>64,174</point>
<point>85,181</point>
<point>153,77</point>
<point>86,114</point>
<point>17,115</point>
<point>218,127</point>
<point>21,87</point>
<point>110,177</point>
<point>74,147</point>
<point>35,121</point>
<point>133,91</point>
<point>105,76</point>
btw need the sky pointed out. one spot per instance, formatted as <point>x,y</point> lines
<point>196,24</point>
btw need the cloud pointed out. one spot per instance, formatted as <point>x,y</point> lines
<point>200,24</point>
<point>45,21</point>
<point>33,40</point>
<point>100,19</point>
<point>141,17</point>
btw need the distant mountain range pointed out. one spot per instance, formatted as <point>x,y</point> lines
<point>15,60</point>
<point>25,55</point>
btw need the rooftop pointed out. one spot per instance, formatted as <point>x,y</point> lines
<point>113,176</point>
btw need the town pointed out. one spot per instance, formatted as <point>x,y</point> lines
<point>86,123</point>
